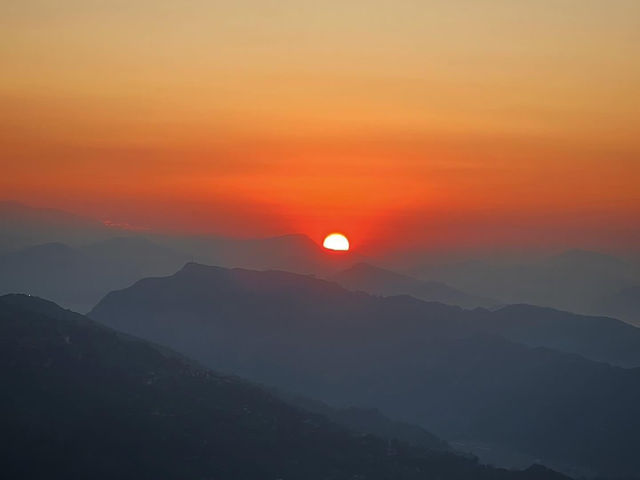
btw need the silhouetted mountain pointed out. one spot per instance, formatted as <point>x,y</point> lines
<point>83,401</point>
<point>79,276</point>
<point>424,363</point>
<point>577,280</point>
<point>371,279</point>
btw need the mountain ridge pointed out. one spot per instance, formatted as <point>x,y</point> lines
<point>376,280</point>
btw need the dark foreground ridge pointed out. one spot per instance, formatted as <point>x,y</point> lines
<point>83,401</point>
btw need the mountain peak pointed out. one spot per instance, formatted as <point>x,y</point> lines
<point>23,299</point>
<point>34,304</point>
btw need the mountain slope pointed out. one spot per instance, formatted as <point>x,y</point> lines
<point>370,421</point>
<point>375,280</point>
<point>425,363</point>
<point>82,401</point>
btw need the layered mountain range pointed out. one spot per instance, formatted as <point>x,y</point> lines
<point>522,378</point>
<point>83,401</point>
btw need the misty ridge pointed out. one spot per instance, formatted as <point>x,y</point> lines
<point>213,357</point>
<point>75,261</point>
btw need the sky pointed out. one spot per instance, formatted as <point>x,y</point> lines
<point>404,124</point>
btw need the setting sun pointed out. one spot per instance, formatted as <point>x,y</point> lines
<point>336,241</point>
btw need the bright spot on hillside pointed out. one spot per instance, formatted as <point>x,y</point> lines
<point>336,241</point>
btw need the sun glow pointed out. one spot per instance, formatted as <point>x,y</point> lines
<point>336,241</point>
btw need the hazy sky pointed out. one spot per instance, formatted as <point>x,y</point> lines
<point>469,122</point>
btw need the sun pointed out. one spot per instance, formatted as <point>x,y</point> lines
<point>336,241</point>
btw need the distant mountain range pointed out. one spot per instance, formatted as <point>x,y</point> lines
<point>26,226</point>
<point>576,280</point>
<point>293,253</point>
<point>371,279</point>
<point>78,277</point>
<point>451,370</point>
<point>78,273</point>
<point>83,401</point>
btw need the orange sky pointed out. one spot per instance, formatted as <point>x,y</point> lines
<point>435,123</point>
